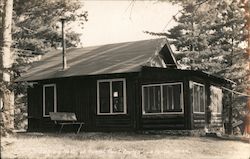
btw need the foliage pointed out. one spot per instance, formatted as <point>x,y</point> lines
<point>210,36</point>
<point>36,29</point>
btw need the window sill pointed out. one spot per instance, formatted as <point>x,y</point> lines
<point>199,112</point>
<point>168,113</point>
<point>162,116</point>
<point>109,114</point>
<point>216,113</point>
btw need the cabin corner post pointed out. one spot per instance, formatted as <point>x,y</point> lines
<point>137,107</point>
<point>230,111</point>
<point>189,104</point>
<point>208,111</point>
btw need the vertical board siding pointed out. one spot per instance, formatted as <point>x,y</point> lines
<point>35,107</point>
<point>79,95</point>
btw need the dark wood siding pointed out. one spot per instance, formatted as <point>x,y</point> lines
<point>79,95</point>
<point>35,107</point>
<point>164,121</point>
<point>119,122</point>
<point>198,120</point>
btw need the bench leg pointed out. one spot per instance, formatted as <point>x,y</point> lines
<point>79,128</point>
<point>61,129</point>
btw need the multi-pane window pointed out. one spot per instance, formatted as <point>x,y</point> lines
<point>198,94</point>
<point>49,99</point>
<point>162,98</point>
<point>111,96</point>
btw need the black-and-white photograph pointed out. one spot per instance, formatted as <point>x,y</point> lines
<point>125,79</point>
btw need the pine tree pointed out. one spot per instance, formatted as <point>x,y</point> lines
<point>210,36</point>
<point>35,31</point>
<point>37,26</point>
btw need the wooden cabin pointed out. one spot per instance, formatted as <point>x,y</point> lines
<point>131,86</point>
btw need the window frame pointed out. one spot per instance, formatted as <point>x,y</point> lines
<point>111,96</point>
<point>55,98</point>
<point>161,88</point>
<point>204,96</point>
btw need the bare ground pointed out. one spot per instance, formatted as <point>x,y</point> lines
<point>120,146</point>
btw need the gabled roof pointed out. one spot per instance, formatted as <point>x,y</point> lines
<point>104,59</point>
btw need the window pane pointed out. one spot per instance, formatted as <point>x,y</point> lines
<point>167,98</point>
<point>152,99</point>
<point>166,106</point>
<point>198,98</point>
<point>146,99</point>
<point>49,99</point>
<point>104,97</point>
<point>202,100</point>
<point>118,98</point>
<point>171,98</point>
<point>177,97</point>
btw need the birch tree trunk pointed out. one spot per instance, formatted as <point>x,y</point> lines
<point>6,61</point>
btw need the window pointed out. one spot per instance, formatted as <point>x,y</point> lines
<point>111,96</point>
<point>49,99</point>
<point>162,98</point>
<point>216,100</point>
<point>198,94</point>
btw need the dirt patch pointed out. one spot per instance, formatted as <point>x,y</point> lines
<point>119,145</point>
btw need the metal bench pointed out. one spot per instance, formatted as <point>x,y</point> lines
<point>65,118</point>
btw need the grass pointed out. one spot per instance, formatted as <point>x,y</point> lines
<point>120,146</point>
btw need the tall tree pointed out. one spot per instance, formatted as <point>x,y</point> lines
<point>36,30</point>
<point>6,60</point>
<point>247,17</point>
<point>210,36</point>
<point>37,26</point>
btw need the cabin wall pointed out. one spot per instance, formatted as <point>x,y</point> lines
<point>164,121</point>
<point>34,94</point>
<point>118,122</point>
<point>209,119</point>
<point>198,119</point>
<point>79,95</point>
<point>215,118</point>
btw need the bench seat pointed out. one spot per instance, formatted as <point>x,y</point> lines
<point>65,118</point>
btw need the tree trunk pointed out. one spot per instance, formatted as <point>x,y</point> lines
<point>6,60</point>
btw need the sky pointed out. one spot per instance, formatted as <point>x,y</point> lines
<point>120,21</point>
